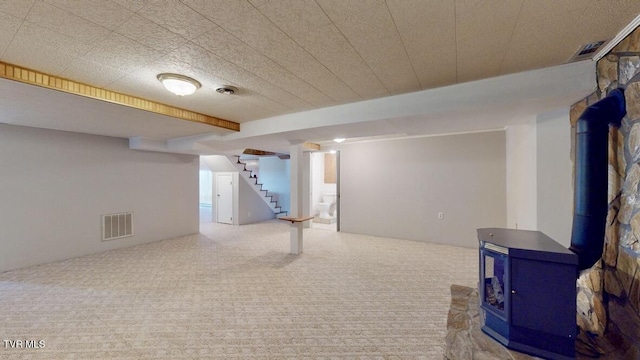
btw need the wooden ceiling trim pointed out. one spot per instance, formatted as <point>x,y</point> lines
<point>33,77</point>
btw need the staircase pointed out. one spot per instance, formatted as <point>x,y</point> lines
<point>264,194</point>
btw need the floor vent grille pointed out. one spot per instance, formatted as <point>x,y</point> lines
<point>117,226</point>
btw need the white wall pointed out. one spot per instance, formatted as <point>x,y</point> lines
<point>274,175</point>
<point>251,208</point>
<point>395,188</point>
<point>248,206</point>
<point>218,163</point>
<point>522,176</point>
<point>539,175</point>
<point>56,185</point>
<point>554,175</point>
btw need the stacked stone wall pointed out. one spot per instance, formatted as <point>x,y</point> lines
<point>609,292</point>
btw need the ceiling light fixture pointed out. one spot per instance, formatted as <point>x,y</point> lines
<point>227,89</point>
<point>339,140</point>
<point>179,84</point>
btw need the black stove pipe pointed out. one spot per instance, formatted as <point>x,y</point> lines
<point>591,176</point>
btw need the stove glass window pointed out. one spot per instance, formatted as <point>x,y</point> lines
<point>494,280</point>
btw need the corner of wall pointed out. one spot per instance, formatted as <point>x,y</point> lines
<point>554,168</point>
<point>521,158</point>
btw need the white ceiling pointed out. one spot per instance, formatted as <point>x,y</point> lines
<point>285,56</point>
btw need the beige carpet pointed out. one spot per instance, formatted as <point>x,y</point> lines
<point>236,293</point>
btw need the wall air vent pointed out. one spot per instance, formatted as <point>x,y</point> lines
<point>587,51</point>
<point>117,226</point>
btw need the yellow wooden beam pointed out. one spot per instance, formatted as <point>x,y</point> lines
<point>33,77</point>
<point>312,146</point>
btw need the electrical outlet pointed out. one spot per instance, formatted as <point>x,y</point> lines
<point>440,215</point>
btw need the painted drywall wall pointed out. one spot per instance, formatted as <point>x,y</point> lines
<point>396,188</point>
<point>251,208</point>
<point>274,175</point>
<point>522,176</point>
<point>218,163</point>
<point>55,186</point>
<point>248,206</point>
<point>554,175</point>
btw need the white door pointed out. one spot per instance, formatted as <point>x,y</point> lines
<point>224,198</point>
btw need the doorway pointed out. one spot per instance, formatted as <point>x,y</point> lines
<point>224,198</point>
<point>325,190</point>
<point>206,194</point>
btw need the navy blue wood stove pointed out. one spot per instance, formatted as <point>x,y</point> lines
<point>528,292</point>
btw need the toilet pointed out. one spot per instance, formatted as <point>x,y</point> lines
<point>324,207</point>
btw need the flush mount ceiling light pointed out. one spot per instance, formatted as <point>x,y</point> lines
<point>227,89</point>
<point>339,140</point>
<point>179,84</point>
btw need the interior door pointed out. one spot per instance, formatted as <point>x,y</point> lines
<point>224,198</point>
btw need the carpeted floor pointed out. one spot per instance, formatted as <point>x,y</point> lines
<point>235,293</point>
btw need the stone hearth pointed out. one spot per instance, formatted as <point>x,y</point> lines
<point>465,340</point>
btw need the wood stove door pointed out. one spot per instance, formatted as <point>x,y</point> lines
<point>543,296</point>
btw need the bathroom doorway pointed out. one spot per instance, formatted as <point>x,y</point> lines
<point>325,190</point>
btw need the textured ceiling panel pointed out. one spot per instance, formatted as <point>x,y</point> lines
<point>89,72</point>
<point>293,55</point>
<point>177,17</point>
<point>330,47</point>
<point>219,10</point>
<point>483,32</point>
<point>229,73</point>
<point>147,88</point>
<point>9,25</point>
<point>63,22</point>
<point>545,25</point>
<point>307,24</point>
<point>261,34</point>
<point>38,48</point>
<point>303,65</point>
<point>248,38</point>
<point>371,31</point>
<point>264,102</point>
<point>17,8</point>
<point>122,53</point>
<point>133,5</point>
<point>225,45</point>
<point>104,13</point>
<point>544,37</point>
<point>150,34</point>
<point>428,32</point>
<point>249,83</point>
<point>293,16</point>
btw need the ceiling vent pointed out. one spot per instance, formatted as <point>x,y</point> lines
<point>227,89</point>
<point>587,51</point>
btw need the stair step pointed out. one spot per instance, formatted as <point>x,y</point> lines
<point>269,199</point>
